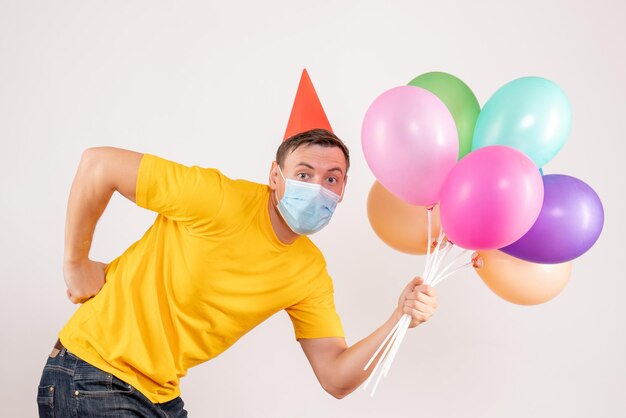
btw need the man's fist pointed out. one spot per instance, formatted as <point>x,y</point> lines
<point>418,300</point>
<point>84,279</point>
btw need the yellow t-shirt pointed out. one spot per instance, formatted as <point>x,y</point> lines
<point>207,271</point>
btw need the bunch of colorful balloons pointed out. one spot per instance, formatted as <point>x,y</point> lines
<point>477,172</point>
<point>473,179</point>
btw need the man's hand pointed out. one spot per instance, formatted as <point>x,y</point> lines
<point>417,300</point>
<point>84,279</point>
<point>339,369</point>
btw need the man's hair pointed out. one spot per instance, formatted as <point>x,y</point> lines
<point>313,137</point>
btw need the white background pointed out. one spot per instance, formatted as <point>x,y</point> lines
<point>212,84</point>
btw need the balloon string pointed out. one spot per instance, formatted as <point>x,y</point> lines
<point>398,332</point>
<point>393,330</point>
<point>387,348</point>
<point>441,257</point>
<point>400,327</point>
<point>432,275</point>
<point>441,278</point>
<point>451,263</point>
<point>428,244</point>
<point>433,264</point>
<point>433,260</point>
<point>396,346</point>
<point>432,267</point>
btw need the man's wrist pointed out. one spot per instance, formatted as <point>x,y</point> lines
<point>395,317</point>
<point>76,251</point>
<point>74,261</point>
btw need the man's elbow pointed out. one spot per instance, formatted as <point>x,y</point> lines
<point>338,392</point>
<point>94,154</point>
<point>92,160</point>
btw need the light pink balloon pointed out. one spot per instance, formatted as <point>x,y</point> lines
<point>410,143</point>
<point>491,198</point>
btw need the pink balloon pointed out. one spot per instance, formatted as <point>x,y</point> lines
<point>491,198</point>
<point>410,143</point>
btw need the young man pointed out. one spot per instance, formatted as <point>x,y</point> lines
<point>221,257</point>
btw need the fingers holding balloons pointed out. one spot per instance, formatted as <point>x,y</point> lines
<point>419,301</point>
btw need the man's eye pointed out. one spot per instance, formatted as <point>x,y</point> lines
<point>332,180</point>
<point>303,176</point>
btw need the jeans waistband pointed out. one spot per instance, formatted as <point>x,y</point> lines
<point>58,349</point>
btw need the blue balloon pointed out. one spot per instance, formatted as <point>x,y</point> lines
<point>531,114</point>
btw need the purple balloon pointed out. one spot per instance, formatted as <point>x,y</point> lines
<point>569,223</point>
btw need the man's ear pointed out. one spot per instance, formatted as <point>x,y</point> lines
<point>273,177</point>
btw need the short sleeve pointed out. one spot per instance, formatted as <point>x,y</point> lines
<point>181,193</point>
<point>315,316</point>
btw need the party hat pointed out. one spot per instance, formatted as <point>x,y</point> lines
<point>307,111</point>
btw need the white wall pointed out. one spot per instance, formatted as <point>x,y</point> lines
<point>212,83</point>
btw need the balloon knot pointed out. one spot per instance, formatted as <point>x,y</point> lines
<point>477,261</point>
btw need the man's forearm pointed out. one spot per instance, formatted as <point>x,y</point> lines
<point>347,372</point>
<point>89,196</point>
<point>101,172</point>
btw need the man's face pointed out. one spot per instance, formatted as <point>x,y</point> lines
<point>312,164</point>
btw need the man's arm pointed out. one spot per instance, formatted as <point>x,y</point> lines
<point>339,369</point>
<point>101,172</point>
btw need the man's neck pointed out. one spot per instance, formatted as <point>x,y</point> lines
<point>281,229</point>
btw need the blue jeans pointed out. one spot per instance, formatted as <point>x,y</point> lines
<point>70,387</point>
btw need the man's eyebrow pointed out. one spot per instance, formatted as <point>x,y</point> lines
<point>313,168</point>
<point>336,169</point>
<point>306,165</point>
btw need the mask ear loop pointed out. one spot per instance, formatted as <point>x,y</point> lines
<point>278,200</point>
<point>284,180</point>
<point>280,172</point>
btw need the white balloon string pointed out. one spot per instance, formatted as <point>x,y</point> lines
<point>380,375</point>
<point>380,362</point>
<point>433,275</point>
<point>442,278</point>
<point>386,362</point>
<point>428,244</point>
<point>452,262</point>
<point>440,258</point>
<point>433,260</point>
<point>396,346</point>
<point>393,330</point>
<point>398,333</point>
<point>429,275</point>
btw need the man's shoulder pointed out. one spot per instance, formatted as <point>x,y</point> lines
<point>244,189</point>
<point>231,184</point>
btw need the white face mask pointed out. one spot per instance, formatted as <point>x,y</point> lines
<point>306,207</point>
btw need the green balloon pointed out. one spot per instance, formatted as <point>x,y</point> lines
<point>459,100</point>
